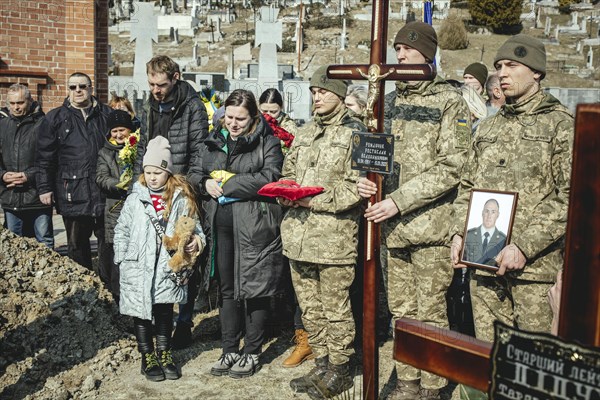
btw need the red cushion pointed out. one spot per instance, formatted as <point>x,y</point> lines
<point>289,190</point>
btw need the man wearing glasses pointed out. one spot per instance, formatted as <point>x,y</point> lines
<point>69,139</point>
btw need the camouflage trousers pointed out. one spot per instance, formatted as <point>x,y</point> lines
<point>324,298</point>
<point>418,279</point>
<point>518,303</point>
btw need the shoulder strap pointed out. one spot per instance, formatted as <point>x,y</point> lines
<point>160,231</point>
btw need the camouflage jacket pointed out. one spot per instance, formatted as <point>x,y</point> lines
<point>320,156</point>
<point>526,148</point>
<point>431,127</point>
<point>287,123</point>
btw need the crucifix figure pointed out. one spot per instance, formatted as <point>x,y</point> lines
<point>373,78</point>
<point>407,72</point>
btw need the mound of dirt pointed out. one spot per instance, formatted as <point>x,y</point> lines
<point>54,316</point>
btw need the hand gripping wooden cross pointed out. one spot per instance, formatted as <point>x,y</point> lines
<point>376,73</point>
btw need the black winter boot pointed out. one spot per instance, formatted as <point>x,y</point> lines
<point>303,383</point>
<point>165,358</point>
<point>182,338</point>
<point>336,381</point>
<point>151,368</point>
<point>163,324</point>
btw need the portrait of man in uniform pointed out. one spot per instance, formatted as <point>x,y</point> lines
<point>487,235</point>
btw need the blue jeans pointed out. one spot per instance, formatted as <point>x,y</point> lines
<point>32,223</point>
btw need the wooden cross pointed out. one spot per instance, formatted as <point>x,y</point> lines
<point>464,359</point>
<point>376,73</point>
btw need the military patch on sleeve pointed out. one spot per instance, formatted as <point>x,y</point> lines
<point>463,134</point>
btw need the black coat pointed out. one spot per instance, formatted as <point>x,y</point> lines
<point>188,127</point>
<point>256,160</point>
<point>67,153</point>
<point>108,173</point>
<point>18,140</point>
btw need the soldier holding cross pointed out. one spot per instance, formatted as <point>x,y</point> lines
<point>431,124</point>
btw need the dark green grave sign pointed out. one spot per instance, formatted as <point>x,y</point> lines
<point>537,366</point>
<point>373,152</point>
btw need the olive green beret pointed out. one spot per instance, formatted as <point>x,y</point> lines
<point>337,86</point>
<point>419,36</point>
<point>526,50</point>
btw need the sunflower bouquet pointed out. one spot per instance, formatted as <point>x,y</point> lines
<point>127,156</point>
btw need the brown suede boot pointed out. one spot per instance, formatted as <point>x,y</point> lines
<point>302,351</point>
<point>405,390</point>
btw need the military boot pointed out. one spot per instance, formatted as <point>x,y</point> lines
<point>302,351</point>
<point>405,390</point>
<point>336,381</point>
<point>301,384</point>
<point>429,394</point>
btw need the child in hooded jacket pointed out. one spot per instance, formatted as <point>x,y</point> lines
<point>148,286</point>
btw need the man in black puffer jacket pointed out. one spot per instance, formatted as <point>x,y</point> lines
<point>70,137</point>
<point>24,213</point>
<point>174,111</point>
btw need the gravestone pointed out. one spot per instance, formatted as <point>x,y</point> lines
<point>343,36</point>
<point>548,26</point>
<point>196,61</point>
<point>144,31</point>
<point>219,32</point>
<point>269,33</point>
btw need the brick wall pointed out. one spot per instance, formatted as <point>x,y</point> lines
<point>45,41</point>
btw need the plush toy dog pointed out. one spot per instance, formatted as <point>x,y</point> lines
<point>184,230</point>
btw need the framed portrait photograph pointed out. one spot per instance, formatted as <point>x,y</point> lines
<point>488,227</point>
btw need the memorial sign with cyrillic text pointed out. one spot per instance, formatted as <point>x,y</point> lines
<point>373,152</point>
<point>536,366</point>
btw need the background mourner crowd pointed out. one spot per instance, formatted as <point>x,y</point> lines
<point>192,195</point>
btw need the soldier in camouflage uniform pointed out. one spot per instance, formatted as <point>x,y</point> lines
<point>526,148</point>
<point>431,125</point>
<point>320,235</point>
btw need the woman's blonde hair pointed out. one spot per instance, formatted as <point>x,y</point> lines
<point>175,182</point>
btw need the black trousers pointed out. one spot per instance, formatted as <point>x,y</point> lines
<point>109,272</point>
<point>163,325</point>
<point>253,312</point>
<point>79,231</point>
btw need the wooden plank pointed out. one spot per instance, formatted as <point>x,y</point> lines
<point>22,73</point>
<point>580,306</point>
<point>458,357</point>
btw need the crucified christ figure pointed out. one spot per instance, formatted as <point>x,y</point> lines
<point>373,78</point>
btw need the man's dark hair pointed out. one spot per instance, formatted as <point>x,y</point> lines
<point>81,74</point>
